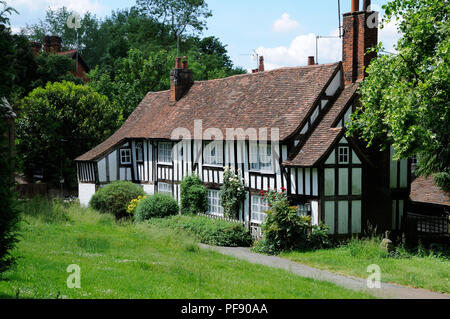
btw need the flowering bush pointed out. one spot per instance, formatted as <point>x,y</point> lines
<point>134,203</point>
<point>232,193</point>
<point>285,229</point>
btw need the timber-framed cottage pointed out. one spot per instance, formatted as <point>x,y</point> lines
<point>304,111</point>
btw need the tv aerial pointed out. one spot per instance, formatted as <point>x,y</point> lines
<point>74,22</point>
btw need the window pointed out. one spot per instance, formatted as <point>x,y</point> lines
<point>125,156</point>
<point>213,153</point>
<point>165,188</point>
<point>139,152</point>
<point>214,207</point>
<point>165,153</point>
<point>261,157</point>
<point>343,155</point>
<point>259,207</point>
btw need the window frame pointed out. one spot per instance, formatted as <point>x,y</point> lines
<point>165,191</point>
<point>257,165</point>
<point>344,155</point>
<point>121,156</point>
<point>163,157</point>
<point>218,157</point>
<point>139,146</point>
<point>216,204</point>
<point>262,206</point>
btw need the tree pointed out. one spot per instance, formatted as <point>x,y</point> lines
<point>404,99</point>
<point>7,72</point>
<point>9,216</point>
<point>178,15</point>
<point>58,123</point>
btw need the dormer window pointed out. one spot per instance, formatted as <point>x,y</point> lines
<point>343,155</point>
<point>125,156</point>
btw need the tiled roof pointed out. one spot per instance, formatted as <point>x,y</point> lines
<point>273,99</point>
<point>423,190</point>
<point>324,135</point>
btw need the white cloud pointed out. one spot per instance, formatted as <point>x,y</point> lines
<point>15,29</point>
<point>285,24</point>
<point>80,6</point>
<point>301,47</point>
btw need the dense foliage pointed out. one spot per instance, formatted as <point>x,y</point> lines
<point>58,123</point>
<point>156,206</point>
<point>194,196</point>
<point>115,198</point>
<point>232,193</point>
<point>9,216</point>
<point>284,229</point>
<point>211,231</point>
<point>405,97</point>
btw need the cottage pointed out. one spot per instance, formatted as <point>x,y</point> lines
<point>280,128</point>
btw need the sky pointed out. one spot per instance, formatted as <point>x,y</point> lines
<point>283,31</point>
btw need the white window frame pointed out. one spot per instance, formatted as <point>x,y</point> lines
<point>214,207</point>
<point>215,159</point>
<point>258,207</point>
<point>344,154</point>
<point>165,153</point>
<point>139,146</point>
<point>257,152</point>
<point>165,188</point>
<point>124,156</point>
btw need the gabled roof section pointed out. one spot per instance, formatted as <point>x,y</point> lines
<point>324,135</point>
<point>273,99</point>
<point>424,190</point>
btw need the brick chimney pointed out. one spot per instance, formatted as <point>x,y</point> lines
<point>36,48</point>
<point>359,36</point>
<point>311,60</point>
<point>261,64</point>
<point>181,80</point>
<point>52,44</point>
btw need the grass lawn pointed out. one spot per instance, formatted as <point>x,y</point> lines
<point>427,271</point>
<point>137,261</point>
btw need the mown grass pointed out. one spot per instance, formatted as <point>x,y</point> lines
<point>421,269</point>
<point>128,260</point>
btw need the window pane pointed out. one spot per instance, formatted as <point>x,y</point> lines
<point>165,152</point>
<point>356,217</point>
<point>343,181</point>
<point>259,207</point>
<point>356,181</point>
<point>329,181</point>
<point>214,206</point>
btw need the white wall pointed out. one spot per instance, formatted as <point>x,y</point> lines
<point>85,193</point>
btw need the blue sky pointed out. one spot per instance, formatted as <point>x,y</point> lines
<point>283,31</point>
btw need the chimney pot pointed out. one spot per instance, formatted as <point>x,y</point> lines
<point>181,80</point>
<point>185,62</point>
<point>355,5</point>
<point>311,60</point>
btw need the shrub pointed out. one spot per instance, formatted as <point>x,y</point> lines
<point>44,209</point>
<point>285,230</point>
<point>211,231</point>
<point>194,196</point>
<point>115,198</point>
<point>156,206</point>
<point>232,193</point>
<point>131,209</point>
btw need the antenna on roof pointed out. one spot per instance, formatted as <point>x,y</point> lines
<point>329,36</point>
<point>74,22</point>
<point>255,56</point>
<point>178,45</point>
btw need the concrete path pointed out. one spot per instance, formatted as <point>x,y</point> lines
<point>387,290</point>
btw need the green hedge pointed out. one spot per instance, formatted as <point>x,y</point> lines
<point>194,196</point>
<point>156,206</point>
<point>210,231</point>
<point>115,197</point>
